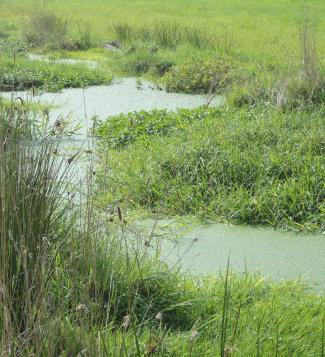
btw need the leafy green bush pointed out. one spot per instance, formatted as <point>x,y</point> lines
<point>201,76</point>
<point>123,129</point>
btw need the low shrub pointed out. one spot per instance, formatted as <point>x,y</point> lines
<point>44,28</point>
<point>201,77</point>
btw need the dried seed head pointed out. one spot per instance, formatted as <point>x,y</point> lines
<point>159,316</point>
<point>229,350</point>
<point>126,321</point>
<point>194,335</point>
<point>81,307</point>
<point>152,349</point>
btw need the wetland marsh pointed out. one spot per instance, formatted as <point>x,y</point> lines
<point>194,139</point>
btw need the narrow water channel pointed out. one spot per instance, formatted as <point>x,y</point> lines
<point>83,107</point>
<point>201,249</point>
<point>122,96</point>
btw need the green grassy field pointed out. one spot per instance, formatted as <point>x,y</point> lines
<point>263,30</point>
<point>254,49</point>
<point>255,27</point>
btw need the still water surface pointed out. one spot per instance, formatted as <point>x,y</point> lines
<point>204,249</point>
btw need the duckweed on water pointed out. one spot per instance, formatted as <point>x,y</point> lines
<point>84,289</point>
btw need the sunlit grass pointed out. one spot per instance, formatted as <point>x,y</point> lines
<point>253,166</point>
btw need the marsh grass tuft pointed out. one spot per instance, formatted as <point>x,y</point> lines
<point>44,28</point>
<point>30,201</point>
<point>253,166</point>
<point>166,35</point>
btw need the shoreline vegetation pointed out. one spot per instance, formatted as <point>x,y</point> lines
<point>74,282</point>
<point>247,166</point>
<point>75,279</point>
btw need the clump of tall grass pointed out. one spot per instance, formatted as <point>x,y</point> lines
<point>305,89</point>
<point>43,28</point>
<point>84,39</point>
<point>253,166</point>
<point>30,204</point>
<point>301,87</point>
<point>59,263</point>
<point>143,59</point>
<point>5,29</point>
<point>167,35</point>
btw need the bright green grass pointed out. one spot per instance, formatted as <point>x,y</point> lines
<point>252,24</point>
<point>122,130</point>
<point>259,318</point>
<point>264,29</point>
<point>249,165</point>
<point>186,44</point>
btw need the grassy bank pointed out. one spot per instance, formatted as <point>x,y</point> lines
<point>182,49</point>
<point>250,165</point>
<point>72,286</point>
<point>21,74</point>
